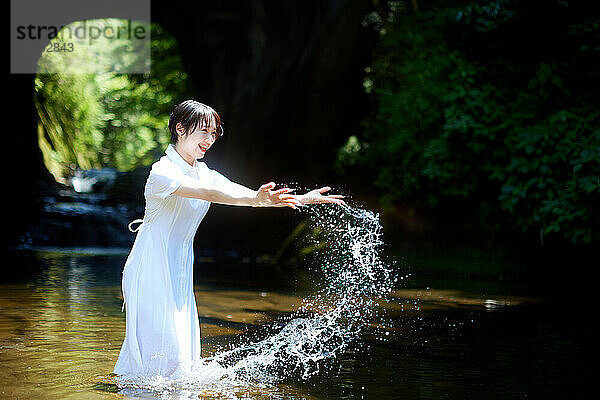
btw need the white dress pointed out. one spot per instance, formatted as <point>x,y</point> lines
<point>162,335</point>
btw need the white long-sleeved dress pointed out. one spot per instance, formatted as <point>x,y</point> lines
<point>162,335</point>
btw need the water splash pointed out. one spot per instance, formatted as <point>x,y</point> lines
<point>355,281</point>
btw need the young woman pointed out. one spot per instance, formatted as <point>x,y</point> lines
<point>162,335</point>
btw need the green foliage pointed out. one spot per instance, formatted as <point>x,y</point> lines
<point>463,126</point>
<point>93,117</point>
<point>552,179</point>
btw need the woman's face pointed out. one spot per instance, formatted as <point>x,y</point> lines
<point>195,144</point>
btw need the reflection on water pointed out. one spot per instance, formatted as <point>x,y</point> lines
<point>61,329</point>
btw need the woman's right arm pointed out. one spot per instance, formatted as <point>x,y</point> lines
<point>236,194</point>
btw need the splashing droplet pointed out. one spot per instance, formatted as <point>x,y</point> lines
<point>326,323</point>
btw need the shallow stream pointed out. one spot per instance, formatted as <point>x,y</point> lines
<point>61,328</point>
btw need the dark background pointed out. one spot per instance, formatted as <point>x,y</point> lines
<point>285,76</point>
<point>287,79</point>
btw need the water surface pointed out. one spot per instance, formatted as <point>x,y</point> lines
<point>61,328</point>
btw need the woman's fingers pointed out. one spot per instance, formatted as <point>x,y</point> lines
<point>283,190</point>
<point>292,203</point>
<point>336,201</point>
<point>334,198</point>
<point>267,186</point>
<point>282,196</point>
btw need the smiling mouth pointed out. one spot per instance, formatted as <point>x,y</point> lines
<point>203,148</point>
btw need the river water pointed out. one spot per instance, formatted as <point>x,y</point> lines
<point>374,333</point>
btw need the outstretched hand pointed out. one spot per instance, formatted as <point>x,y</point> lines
<point>266,197</point>
<point>316,197</point>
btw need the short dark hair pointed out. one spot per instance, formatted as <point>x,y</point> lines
<point>191,114</point>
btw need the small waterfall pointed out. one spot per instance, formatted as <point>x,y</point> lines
<point>84,217</point>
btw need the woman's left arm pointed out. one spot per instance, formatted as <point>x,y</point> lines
<point>312,197</point>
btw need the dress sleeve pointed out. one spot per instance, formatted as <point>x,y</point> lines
<point>164,180</point>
